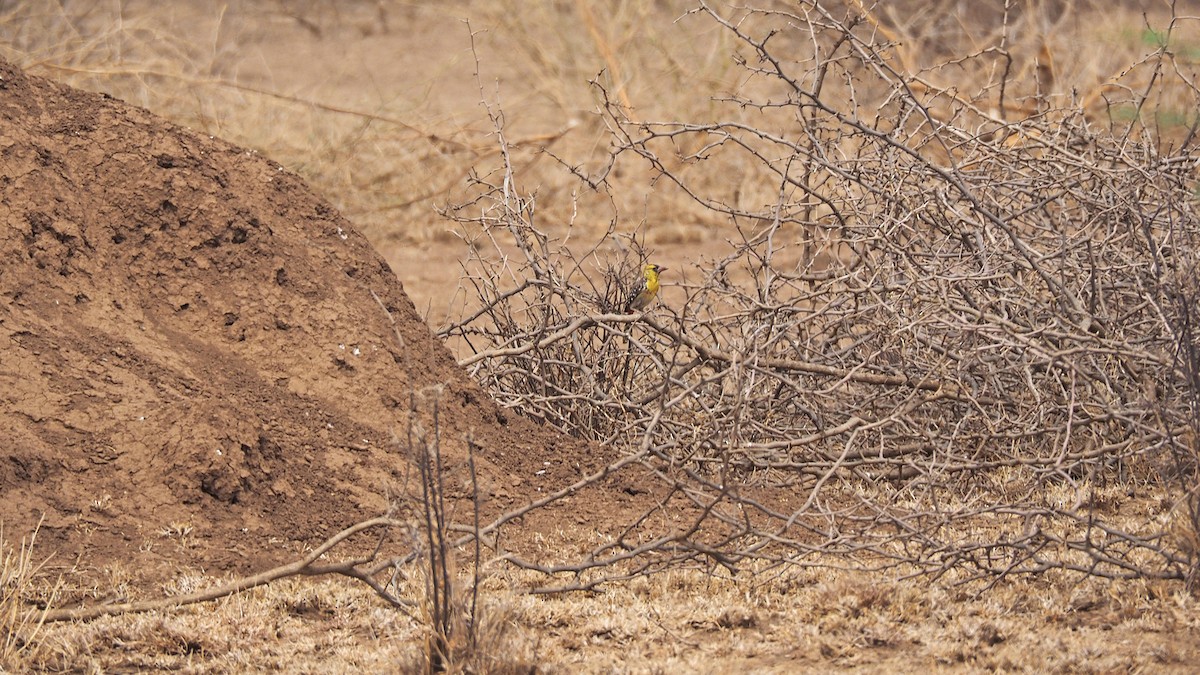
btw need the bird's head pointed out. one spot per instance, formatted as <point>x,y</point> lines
<point>654,270</point>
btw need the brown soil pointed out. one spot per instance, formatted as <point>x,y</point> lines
<point>190,338</point>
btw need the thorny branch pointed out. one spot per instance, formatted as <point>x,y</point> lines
<point>947,335</point>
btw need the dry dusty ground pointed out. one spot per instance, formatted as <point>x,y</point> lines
<point>202,378</point>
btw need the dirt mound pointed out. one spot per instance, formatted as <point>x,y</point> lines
<point>190,340</point>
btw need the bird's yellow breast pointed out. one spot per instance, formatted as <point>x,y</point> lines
<point>651,281</point>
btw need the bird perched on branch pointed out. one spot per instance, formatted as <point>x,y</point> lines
<point>645,291</point>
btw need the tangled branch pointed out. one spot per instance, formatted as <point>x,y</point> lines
<point>941,340</point>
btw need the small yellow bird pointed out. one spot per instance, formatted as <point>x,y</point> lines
<point>641,297</point>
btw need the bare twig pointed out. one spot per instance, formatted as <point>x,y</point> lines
<point>362,568</point>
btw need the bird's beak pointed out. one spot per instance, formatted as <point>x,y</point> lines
<point>662,269</point>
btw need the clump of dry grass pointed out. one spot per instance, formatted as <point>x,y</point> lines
<point>475,631</point>
<point>24,601</point>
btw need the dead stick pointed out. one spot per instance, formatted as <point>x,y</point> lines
<point>299,567</point>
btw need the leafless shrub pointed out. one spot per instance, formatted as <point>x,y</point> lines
<point>953,333</point>
<point>448,616</point>
<point>462,635</point>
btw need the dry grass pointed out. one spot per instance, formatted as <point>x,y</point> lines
<point>390,132</point>
<point>680,621</point>
<point>25,592</point>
